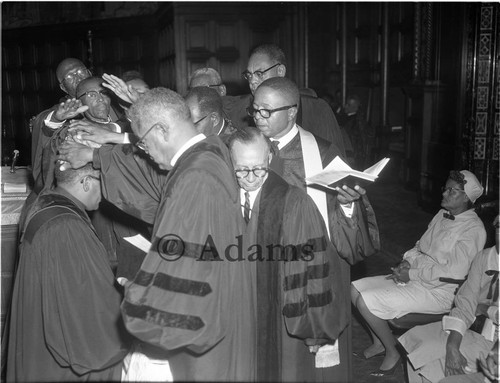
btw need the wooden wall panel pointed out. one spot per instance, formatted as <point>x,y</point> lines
<point>30,57</point>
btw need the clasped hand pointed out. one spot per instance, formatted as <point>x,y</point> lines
<point>400,273</point>
<point>347,195</point>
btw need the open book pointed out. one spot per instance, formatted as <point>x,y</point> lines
<point>338,173</point>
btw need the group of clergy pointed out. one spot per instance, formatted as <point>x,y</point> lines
<point>245,270</point>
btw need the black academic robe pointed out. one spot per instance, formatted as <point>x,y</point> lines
<point>298,300</point>
<point>314,115</point>
<point>291,168</point>
<point>186,299</point>
<point>65,320</point>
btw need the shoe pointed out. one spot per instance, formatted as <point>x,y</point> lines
<point>381,373</point>
<point>361,355</point>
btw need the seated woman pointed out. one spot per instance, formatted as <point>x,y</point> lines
<point>454,236</point>
<point>452,348</point>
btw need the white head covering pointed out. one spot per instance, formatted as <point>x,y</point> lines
<point>472,187</point>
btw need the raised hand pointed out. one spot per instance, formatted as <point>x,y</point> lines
<point>120,88</point>
<point>69,109</point>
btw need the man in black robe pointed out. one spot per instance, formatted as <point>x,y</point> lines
<point>65,320</point>
<point>297,152</point>
<point>299,289</point>
<point>205,105</point>
<point>187,298</point>
<point>313,114</point>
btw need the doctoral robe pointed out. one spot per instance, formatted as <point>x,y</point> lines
<point>184,299</point>
<point>314,115</point>
<point>65,320</point>
<point>293,171</point>
<point>300,301</point>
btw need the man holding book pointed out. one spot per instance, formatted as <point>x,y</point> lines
<point>345,211</point>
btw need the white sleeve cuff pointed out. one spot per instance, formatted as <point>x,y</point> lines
<point>52,124</point>
<point>126,138</point>
<point>493,313</point>
<point>348,209</point>
<point>453,323</point>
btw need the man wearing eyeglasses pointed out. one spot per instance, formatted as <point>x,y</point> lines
<point>187,298</point>
<point>65,322</point>
<point>205,105</point>
<point>69,73</point>
<point>313,114</point>
<point>300,154</point>
<point>297,260</point>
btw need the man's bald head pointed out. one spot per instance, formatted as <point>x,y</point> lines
<point>69,73</point>
<point>205,105</point>
<point>285,88</point>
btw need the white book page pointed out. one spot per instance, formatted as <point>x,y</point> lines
<point>377,168</point>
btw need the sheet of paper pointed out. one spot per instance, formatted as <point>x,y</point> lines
<point>139,241</point>
<point>14,188</point>
<point>327,356</point>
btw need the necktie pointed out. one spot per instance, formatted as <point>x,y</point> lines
<point>449,216</point>
<point>276,162</point>
<point>275,148</point>
<point>246,207</point>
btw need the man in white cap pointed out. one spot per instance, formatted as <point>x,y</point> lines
<point>454,236</point>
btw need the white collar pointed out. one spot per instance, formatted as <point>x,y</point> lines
<point>285,140</point>
<point>192,141</point>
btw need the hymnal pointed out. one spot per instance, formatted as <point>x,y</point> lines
<point>338,173</point>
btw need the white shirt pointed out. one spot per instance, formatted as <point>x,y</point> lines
<point>285,140</point>
<point>253,196</point>
<point>192,141</point>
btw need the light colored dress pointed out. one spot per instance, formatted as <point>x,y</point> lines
<point>446,249</point>
<point>426,345</point>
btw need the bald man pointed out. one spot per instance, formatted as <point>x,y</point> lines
<point>70,72</point>
<point>205,105</point>
<point>313,113</point>
<point>300,154</point>
<point>188,297</point>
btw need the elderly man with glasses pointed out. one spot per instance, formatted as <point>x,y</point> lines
<point>188,298</point>
<point>288,244</point>
<point>313,113</point>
